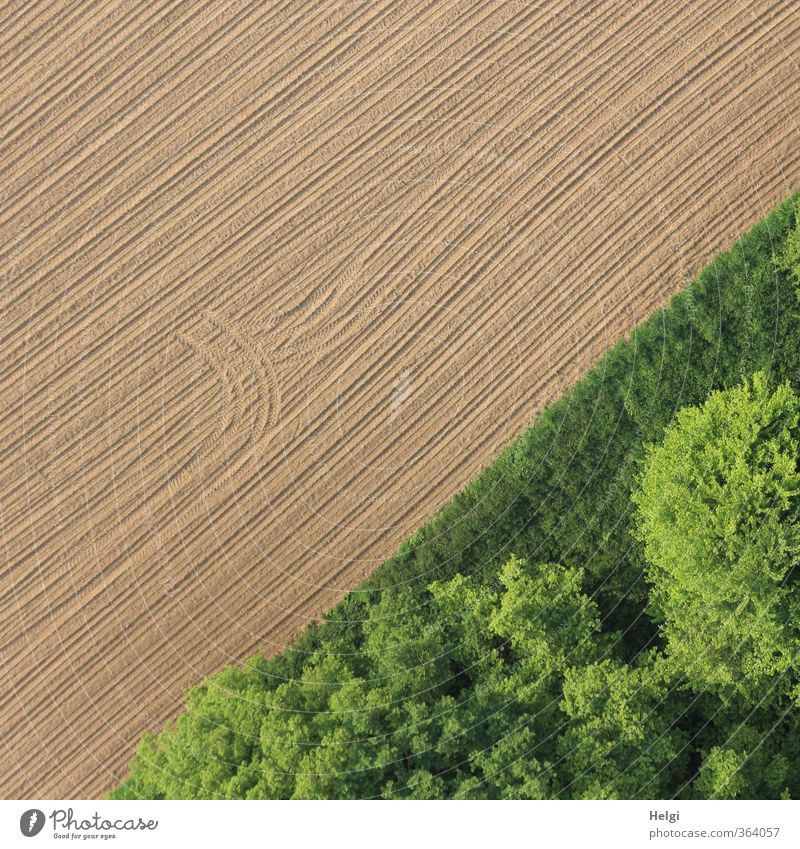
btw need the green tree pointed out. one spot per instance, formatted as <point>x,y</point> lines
<point>753,758</point>
<point>717,512</point>
<point>622,741</point>
<point>788,257</point>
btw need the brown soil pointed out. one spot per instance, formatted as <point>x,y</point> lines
<point>280,278</point>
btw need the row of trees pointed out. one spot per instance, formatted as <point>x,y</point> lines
<point>609,611</point>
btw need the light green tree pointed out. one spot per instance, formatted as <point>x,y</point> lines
<point>717,512</point>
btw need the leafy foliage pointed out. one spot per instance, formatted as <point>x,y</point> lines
<point>718,515</point>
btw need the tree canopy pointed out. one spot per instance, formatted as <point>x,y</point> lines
<point>718,514</point>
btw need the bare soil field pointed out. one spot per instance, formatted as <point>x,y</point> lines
<point>279,278</point>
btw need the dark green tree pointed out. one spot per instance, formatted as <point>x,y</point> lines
<point>752,756</point>
<point>623,740</point>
